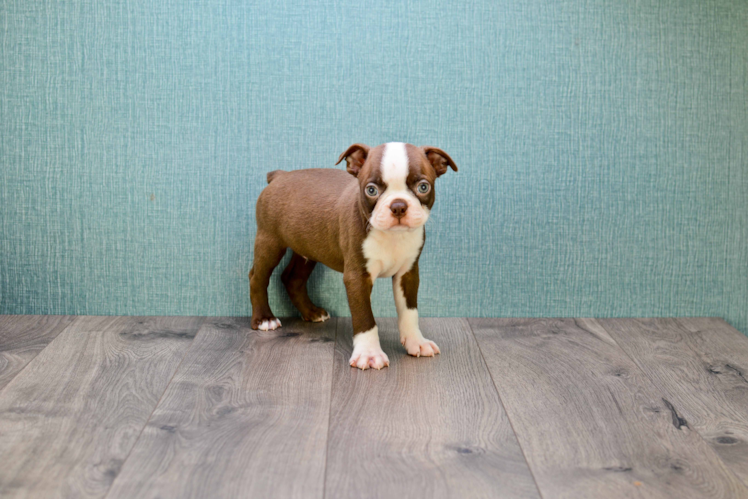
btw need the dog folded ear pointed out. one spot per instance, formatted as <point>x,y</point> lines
<point>439,160</point>
<point>355,156</point>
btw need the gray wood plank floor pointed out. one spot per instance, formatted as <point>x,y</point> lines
<point>70,418</point>
<point>424,427</point>
<point>589,420</point>
<point>22,338</point>
<point>116,407</point>
<point>245,416</point>
<point>705,354</point>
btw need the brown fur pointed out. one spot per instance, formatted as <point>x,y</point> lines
<point>409,285</point>
<point>271,175</point>
<point>294,278</point>
<point>322,214</point>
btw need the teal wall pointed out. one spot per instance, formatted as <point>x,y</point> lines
<point>602,145</point>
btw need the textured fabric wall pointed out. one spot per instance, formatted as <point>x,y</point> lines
<point>602,145</point>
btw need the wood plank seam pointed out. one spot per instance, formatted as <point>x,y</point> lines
<point>72,323</point>
<point>509,418</point>
<point>329,408</point>
<point>192,341</point>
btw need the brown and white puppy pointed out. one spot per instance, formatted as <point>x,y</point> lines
<point>366,225</point>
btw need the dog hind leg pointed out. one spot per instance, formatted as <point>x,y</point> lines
<point>294,278</point>
<point>268,254</point>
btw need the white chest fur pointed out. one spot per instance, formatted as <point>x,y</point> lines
<point>388,253</point>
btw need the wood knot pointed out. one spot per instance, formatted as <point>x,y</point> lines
<point>726,440</point>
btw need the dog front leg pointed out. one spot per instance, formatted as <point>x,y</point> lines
<point>405,290</point>
<point>367,353</point>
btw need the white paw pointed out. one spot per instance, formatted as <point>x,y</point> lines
<point>367,353</point>
<point>419,346</point>
<point>267,325</point>
<point>370,358</point>
<point>320,319</point>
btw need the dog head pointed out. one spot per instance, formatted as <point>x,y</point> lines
<point>396,182</point>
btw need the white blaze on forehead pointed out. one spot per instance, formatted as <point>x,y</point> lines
<point>394,167</point>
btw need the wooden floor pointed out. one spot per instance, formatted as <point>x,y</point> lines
<point>205,407</point>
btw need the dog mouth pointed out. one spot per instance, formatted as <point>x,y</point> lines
<point>396,226</point>
<point>400,227</point>
<point>384,221</point>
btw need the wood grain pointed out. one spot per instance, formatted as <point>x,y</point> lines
<point>22,338</point>
<point>245,416</point>
<point>589,421</point>
<point>424,427</point>
<point>701,364</point>
<point>68,421</point>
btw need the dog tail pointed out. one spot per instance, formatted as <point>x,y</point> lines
<point>272,175</point>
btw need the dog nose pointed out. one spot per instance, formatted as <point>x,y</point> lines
<point>399,207</point>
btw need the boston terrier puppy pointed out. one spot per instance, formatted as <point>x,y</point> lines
<point>367,224</point>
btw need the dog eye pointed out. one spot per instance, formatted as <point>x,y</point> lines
<point>371,190</point>
<point>424,187</point>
